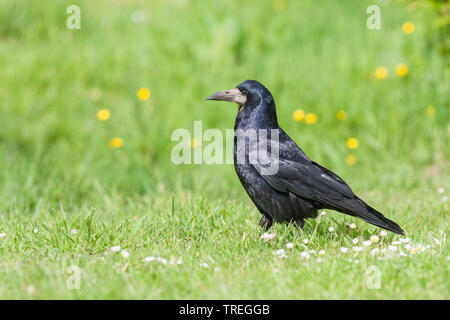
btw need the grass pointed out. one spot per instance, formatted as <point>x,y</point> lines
<point>58,172</point>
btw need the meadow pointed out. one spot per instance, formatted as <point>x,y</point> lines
<point>92,207</point>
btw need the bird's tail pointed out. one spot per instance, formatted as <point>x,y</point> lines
<point>369,214</point>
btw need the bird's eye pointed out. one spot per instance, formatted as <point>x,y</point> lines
<point>244,91</point>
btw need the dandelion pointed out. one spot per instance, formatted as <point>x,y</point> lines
<point>355,241</point>
<point>401,70</point>
<point>383,233</point>
<point>279,5</point>
<point>331,229</point>
<point>366,243</point>
<point>431,111</point>
<point>341,115</point>
<point>194,143</point>
<point>74,231</point>
<point>344,249</point>
<point>408,27</point>
<point>116,142</point>
<point>322,252</point>
<point>115,249</point>
<point>267,236</point>
<point>143,94</point>
<point>305,241</point>
<point>351,159</point>
<point>311,118</point>
<point>352,143</point>
<point>381,73</point>
<point>124,254</point>
<point>289,245</point>
<point>298,115</point>
<point>103,114</point>
<point>374,239</point>
<point>441,190</point>
<point>149,259</point>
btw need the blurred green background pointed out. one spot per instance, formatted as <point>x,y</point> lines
<point>317,56</point>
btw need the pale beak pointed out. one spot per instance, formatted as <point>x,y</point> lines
<point>232,95</point>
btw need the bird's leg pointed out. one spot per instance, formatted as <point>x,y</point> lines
<point>265,223</point>
<point>299,225</point>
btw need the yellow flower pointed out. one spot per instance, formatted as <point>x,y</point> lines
<point>431,111</point>
<point>103,114</point>
<point>311,118</point>
<point>143,94</point>
<point>352,143</point>
<point>116,142</point>
<point>351,159</point>
<point>381,73</point>
<point>298,115</point>
<point>341,115</point>
<point>408,27</point>
<point>279,5</point>
<point>401,70</point>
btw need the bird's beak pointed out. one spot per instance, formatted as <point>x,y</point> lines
<point>232,95</point>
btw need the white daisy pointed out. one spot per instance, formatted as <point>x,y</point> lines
<point>115,249</point>
<point>149,259</point>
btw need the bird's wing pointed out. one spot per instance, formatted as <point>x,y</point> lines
<point>307,180</point>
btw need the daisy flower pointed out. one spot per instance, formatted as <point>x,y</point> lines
<point>115,249</point>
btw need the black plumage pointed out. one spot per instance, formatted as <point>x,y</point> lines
<point>300,186</point>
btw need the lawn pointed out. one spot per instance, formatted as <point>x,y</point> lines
<point>92,206</point>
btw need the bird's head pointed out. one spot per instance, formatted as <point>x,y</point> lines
<point>248,93</point>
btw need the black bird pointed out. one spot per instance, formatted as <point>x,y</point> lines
<point>299,186</point>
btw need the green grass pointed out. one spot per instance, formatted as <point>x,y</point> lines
<point>58,172</point>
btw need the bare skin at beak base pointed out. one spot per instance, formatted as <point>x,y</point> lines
<point>231,95</point>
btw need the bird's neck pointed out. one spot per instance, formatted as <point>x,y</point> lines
<point>257,116</point>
